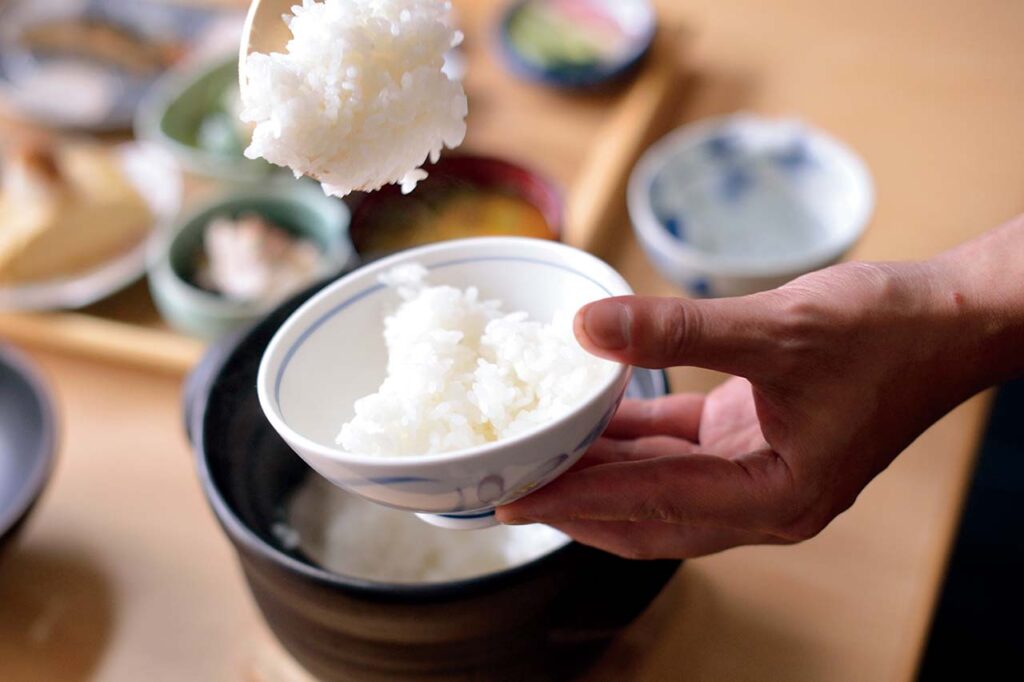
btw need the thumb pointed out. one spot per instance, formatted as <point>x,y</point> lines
<point>729,335</point>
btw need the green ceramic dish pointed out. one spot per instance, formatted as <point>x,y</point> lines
<point>299,207</point>
<point>191,114</point>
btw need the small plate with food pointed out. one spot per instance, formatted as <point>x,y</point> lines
<point>235,258</point>
<point>75,217</point>
<point>85,64</point>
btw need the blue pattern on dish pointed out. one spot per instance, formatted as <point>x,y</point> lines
<point>723,146</point>
<point>744,192</point>
<point>676,227</point>
<point>794,157</point>
<point>701,288</point>
<point>736,183</point>
<point>470,515</point>
<point>600,427</point>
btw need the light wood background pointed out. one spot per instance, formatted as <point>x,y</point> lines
<point>123,573</point>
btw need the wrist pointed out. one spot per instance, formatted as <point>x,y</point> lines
<point>978,290</point>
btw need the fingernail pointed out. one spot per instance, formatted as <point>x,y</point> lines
<point>607,324</point>
<point>516,522</point>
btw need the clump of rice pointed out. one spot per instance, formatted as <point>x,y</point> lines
<point>462,373</point>
<point>350,536</point>
<point>360,98</point>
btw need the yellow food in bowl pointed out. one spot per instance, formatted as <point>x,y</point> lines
<point>455,214</point>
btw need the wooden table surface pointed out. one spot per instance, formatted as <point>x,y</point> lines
<point>123,574</point>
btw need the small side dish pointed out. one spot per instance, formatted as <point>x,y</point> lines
<point>462,373</point>
<point>739,204</point>
<point>193,113</point>
<point>250,259</point>
<point>65,209</point>
<point>236,257</point>
<point>102,41</point>
<point>577,42</point>
<point>465,196</point>
<point>359,99</point>
<point>454,213</point>
<point>86,64</point>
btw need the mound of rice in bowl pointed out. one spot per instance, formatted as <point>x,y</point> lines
<point>359,99</point>
<point>462,373</point>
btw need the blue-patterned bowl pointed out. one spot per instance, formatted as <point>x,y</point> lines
<point>735,205</point>
<point>329,354</point>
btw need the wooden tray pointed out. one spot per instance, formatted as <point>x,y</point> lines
<point>588,142</point>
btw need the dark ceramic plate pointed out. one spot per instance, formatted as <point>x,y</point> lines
<point>536,621</point>
<point>27,441</point>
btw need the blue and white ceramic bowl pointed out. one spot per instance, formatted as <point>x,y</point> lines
<point>330,353</point>
<point>741,204</point>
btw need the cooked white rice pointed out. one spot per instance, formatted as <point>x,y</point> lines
<point>360,98</point>
<point>348,535</point>
<point>462,373</point>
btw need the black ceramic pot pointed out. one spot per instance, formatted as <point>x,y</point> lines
<point>27,442</point>
<point>542,620</point>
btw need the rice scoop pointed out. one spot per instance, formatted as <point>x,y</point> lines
<point>360,98</point>
<point>462,373</point>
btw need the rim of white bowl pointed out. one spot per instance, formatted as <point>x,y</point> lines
<point>611,281</point>
<point>650,229</point>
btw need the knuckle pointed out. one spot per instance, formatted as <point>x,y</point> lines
<point>680,328</point>
<point>808,517</point>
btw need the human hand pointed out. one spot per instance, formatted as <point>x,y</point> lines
<point>843,369</point>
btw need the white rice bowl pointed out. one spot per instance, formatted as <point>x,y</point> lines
<point>360,98</point>
<point>463,373</point>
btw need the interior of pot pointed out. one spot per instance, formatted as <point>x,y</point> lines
<point>252,469</point>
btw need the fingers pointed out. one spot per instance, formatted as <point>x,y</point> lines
<point>752,492</point>
<point>674,415</point>
<point>654,540</point>
<point>607,451</point>
<point>729,335</point>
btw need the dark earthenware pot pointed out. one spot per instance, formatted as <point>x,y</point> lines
<point>542,620</point>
